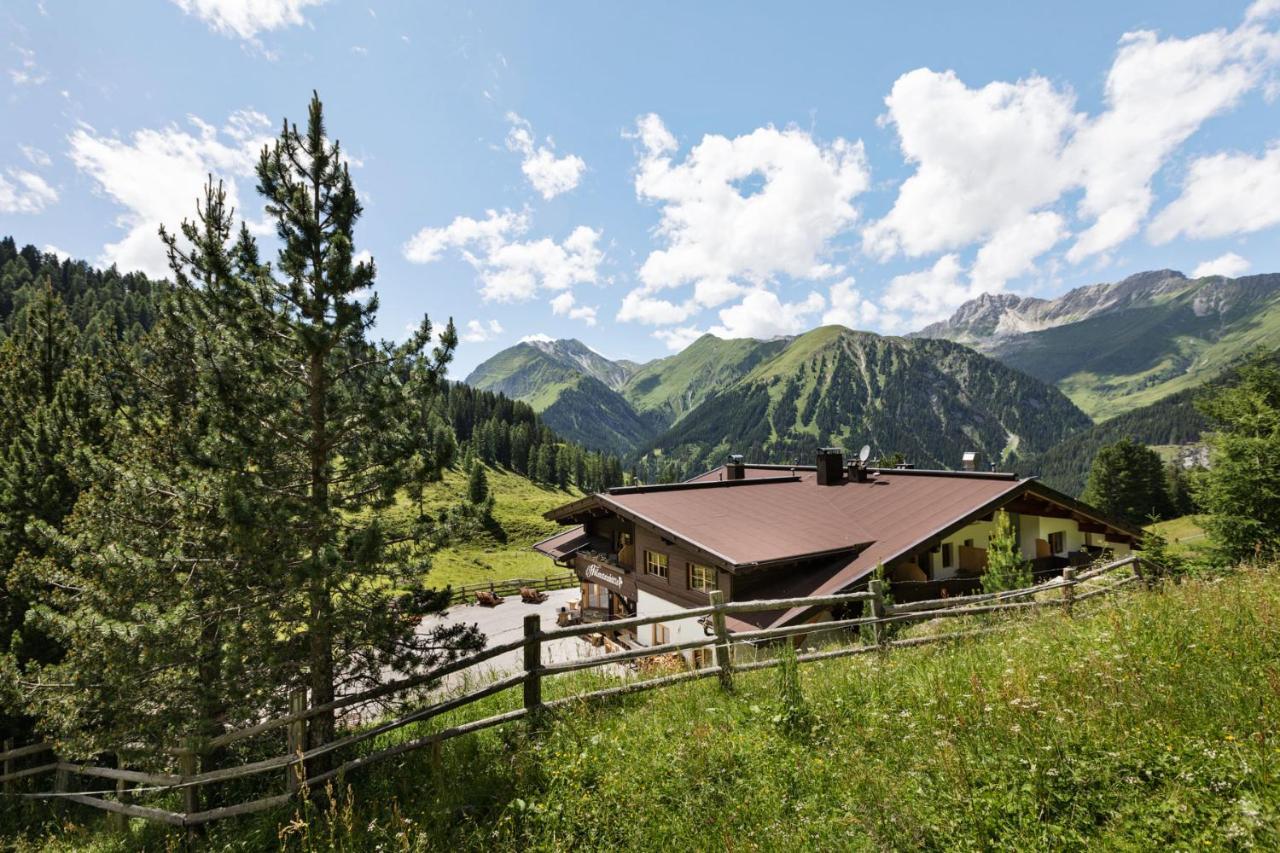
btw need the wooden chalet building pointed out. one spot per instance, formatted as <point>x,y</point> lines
<point>778,531</point>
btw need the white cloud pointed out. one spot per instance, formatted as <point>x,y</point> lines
<point>984,159</point>
<point>1223,194</point>
<point>679,337</point>
<point>548,174</point>
<point>491,232</point>
<point>761,314</point>
<point>158,175</point>
<point>1262,9</point>
<point>1012,250</point>
<point>512,270</point>
<point>35,156</point>
<point>537,338</point>
<point>247,18</point>
<point>849,308</point>
<point>28,73</point>
<point>25,192</point>
<point>636,307</point>
<point>747,209</point>
<point>1229,265</point>
<point>50,249</point>
<point>929,295</point>
<point>994,165</point>
<point>478,332</point>
<point>566,305</point>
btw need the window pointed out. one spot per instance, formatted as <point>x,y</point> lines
<point>661,635</point>
<point>968,543</point>
<point>702,658</point>
<point>702,577</point>
<point>655,564</point>
<point>1057,542</point>
<point>946,555</point>
<point>595,596</point>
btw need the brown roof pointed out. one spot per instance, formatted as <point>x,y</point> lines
<point>781,514</point>
<point>564,543</point>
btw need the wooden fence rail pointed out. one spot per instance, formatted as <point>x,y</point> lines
<point>511,586</point>
<point>120,799</point>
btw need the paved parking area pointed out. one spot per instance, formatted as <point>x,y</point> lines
<point>505,623</point>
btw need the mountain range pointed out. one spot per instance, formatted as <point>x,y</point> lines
<point>1020,379</point>
<point>1112,348</point>
<point>780,399</point>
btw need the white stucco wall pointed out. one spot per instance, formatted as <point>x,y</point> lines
<point>678,630</point>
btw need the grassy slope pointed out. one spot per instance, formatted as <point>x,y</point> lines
<point>1150,720</point>
<point>1183,534</point>
<point>518,507</point>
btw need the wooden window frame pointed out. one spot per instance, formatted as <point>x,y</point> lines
<point>649,565</point>
<point>948,555</point>
<point>711,570</point>
<point>661,634</point>
<point>1062,542</point>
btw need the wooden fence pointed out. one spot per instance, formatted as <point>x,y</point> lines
<point>130,785</point>
<point>512,586</point>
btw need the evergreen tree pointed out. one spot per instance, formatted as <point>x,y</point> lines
<point>477,485</point>
<point>1006,569</point>
<point>1240,492</point>
<point>1127,480</point>
<point>1178,486</point>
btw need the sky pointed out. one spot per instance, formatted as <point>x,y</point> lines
<point>637,175</point>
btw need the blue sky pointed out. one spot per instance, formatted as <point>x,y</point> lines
<point>635,175</point>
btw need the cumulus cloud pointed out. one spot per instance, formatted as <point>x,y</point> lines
<point>512,269</point>
<point>994,165</point>
<point>548,174</point>
<point>566,305</point>
<point>1223,194</point>
<point>537,338</point>
<point>849,308</point>
<point>478,332</point>
<point>158,175</point>
<point>1229,265</point>
<point>679,337</point>
<point>25,192</point>
<point>761,314</point>
<point>746,209</point>
<point>247,18</point>
<point>929,295</point>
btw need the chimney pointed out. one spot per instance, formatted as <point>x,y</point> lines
<point>857,472</point>
<point>970,460</point>
<point>735,470</point>
<point>830,466</point>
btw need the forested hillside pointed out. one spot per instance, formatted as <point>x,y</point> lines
<point>928,400</point>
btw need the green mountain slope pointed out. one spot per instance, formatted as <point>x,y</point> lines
<point>588,412</point>
<point>1113,348</point>
<point>669,388</point>
<point>930,400</point>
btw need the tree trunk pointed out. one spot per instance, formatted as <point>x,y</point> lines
<point>320,629</point>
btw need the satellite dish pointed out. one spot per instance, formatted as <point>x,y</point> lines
<point>864,454</point>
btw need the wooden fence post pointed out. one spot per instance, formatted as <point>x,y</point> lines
<point>876,588</point>
<point>724,656</point>
<point>1146,577</point>
<point>8,764</point>
<point>297,734</point>
<point>116,821</point>
<point>61,785</point>
<point>189,764</point>
<point>533,665</point>
<point>1068,588</point>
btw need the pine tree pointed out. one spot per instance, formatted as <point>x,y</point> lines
<point>1240,492</point>
<point>477,485</point>
<point>1006,569</point>
<point>1127,480</point>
